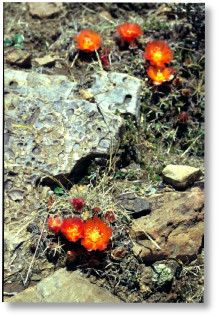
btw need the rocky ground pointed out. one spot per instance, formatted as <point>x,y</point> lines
<point>74,128</point>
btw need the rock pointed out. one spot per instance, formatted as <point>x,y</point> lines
<point>175,223</point>
<point>200,185</point>
<point>117,91</point>
<point>16,243</point>
<point>164,271</point>
<point>181,176</point>
<point>136,250</point>
<point>49,129</point>
<point>65,287</point>
<point>86,95</point>
<point>45,9</point>
<point>133,298</point>
<point>139,207</point>
<point>19,58</point>
<point>152,190</point>
<point>105,16</point>
<point>45,61</point>
<point>36,277</point>
<point>123,170</point>
<point>146,275</point>
<point>49,133</point>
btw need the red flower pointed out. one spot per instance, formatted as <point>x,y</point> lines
<point>158,52</point>
<point>159,74</point>
<point>88,40</point>
<point>109,216</point>
<point>96,210</point>
<point>96,234</point>
<point>183,117</point>
<point>104,61</point>
<point>129,31</point>
<point>77,203</point>
<point>73,228</point>
<point>54,223</point>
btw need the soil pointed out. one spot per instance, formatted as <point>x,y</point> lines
<point>160,139</point>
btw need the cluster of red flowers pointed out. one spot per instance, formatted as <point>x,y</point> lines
<point>94,233</point>
<point>157,52</point>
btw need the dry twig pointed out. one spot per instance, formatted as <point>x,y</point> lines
<point>31,263</point>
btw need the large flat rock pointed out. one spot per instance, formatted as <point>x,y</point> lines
<point>48,129</point>
<point>65,287</point>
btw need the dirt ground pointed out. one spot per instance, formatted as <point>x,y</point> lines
<point>160,138</point>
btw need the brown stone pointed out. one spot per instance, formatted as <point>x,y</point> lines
<point>45,9</point>
<point>45,61</point>
<point>86,95</point>
<point>105,16</point>
<point>65,287</point>
<point>19,58</point>
<point>176,224</point>
<point>180,176</point>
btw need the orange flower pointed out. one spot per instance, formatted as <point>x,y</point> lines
<point>96,234</point>
<point>129,31</point>
<point>73,228</point>
<point>159,74</point>
<point>158,52</point>
<point>54,223</point>
<point>88,40</point>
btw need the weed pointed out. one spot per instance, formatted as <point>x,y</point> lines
<point>58,190</point>
<point>153,25</point>
<point>120,175</point>
<point>15,41</point>
<point>137,187</point>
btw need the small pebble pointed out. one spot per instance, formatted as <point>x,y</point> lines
<point>153,190</point>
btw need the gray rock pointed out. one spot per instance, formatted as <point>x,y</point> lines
<point>139,206</point>
<point>49,131</point>
<point>117,91</point>
<point>65,287</point>
<point>181,176</point>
